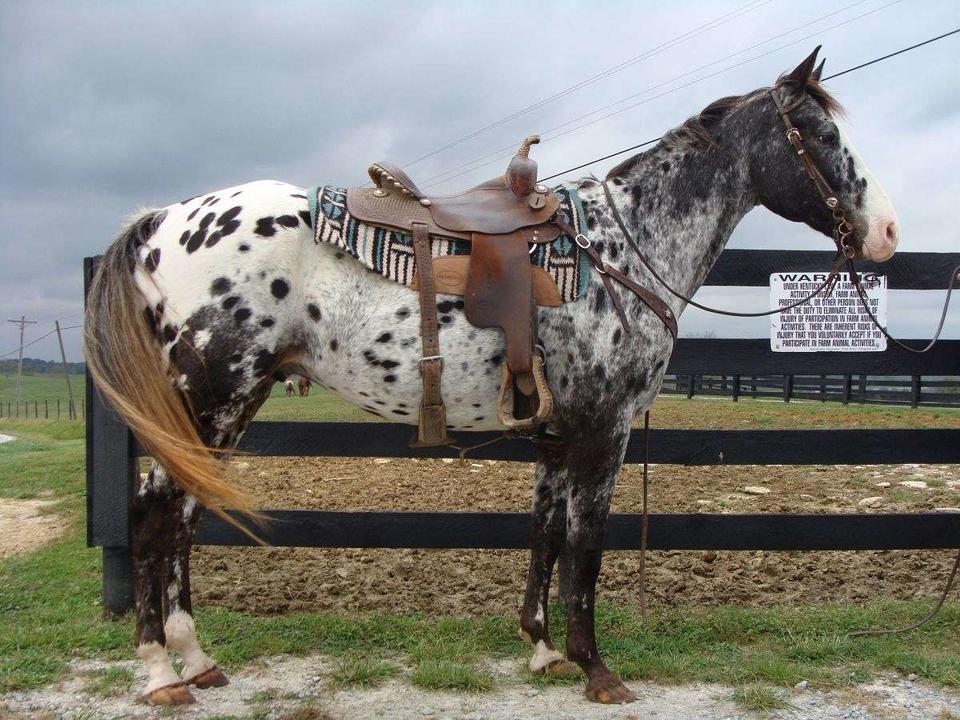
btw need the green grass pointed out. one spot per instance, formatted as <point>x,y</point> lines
<point>40,387</point>
<point>762,698</point>
<point>47,458</point>
<point>363,671</point>
<point>439,674</point>
<point>111,682</point>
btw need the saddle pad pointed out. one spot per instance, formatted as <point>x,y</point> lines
<point>390,253</point>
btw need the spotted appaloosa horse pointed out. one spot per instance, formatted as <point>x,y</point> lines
<point>288,388</point>
<point>196,306</point>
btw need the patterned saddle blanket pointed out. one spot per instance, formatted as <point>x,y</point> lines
<point>390,253</point>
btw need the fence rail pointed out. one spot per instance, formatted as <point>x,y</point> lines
<point>913,390</point>
<point>112,453</point>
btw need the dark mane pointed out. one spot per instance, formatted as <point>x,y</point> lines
<point>698,131</point>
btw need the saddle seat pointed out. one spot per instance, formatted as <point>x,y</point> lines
<point>501,218</point>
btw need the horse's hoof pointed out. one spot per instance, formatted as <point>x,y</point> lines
<point>177,694</point>
<point>210,678</point>
<point>609,690</point>
<point>561,668</point>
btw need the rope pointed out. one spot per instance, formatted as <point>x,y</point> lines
<point>921,623</point>
<point>645,521</point>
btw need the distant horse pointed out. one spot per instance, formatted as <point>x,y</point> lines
<point>289,388</point>
<point>304,386</point>
<point>196,306</point>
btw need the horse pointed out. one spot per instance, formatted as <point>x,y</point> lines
<point>288,388</point>
<point>196,305</point>
<point>304,386</point>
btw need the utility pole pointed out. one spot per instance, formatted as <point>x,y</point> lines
<point>21,322</point>
<point>71,413</point>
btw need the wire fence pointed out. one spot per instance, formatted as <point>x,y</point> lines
<point>49,409</point>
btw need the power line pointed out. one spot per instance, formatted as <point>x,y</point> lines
<point>42,337</point>
<point>497,154</point>
<point>445,176</point>
<point>829,77</point>
<point>690,34</point>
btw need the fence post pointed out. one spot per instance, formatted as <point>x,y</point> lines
<point>914,391</point>
<point>111,474</point>
<point>736,388</point>
<point>787,387</point>
<point>58,408</point>
<point>863,389</point>
<point>847,383</point>
<point>690,381</point>
<point>36,410</point>
<point>823,388</point>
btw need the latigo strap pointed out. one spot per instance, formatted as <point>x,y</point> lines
<point>432,428</point>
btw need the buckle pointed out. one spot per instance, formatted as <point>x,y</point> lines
<point>430,358</point>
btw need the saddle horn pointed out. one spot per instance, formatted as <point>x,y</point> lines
<point>522,170</point>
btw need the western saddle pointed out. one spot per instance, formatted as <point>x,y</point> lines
<point>500,287</point>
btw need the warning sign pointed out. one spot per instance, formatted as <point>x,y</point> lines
<point>835,323</point>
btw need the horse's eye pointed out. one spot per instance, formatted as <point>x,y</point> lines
<point>828,137</point>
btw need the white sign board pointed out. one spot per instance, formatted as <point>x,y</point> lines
<point>834,323</point>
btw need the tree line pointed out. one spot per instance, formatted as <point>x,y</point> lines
<point>35,366</point>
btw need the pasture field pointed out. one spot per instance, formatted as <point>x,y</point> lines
<point>40,388</point>
<point>50,613</point>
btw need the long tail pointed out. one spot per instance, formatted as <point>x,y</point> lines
<point>125,359</point>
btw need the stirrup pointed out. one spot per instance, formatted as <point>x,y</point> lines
<point>543,397</point>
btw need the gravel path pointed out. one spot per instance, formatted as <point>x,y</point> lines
<point>284,688</point>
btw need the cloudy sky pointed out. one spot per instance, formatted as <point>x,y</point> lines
<point>113,106</point>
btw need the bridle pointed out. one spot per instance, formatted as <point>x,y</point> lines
<point>842,229</point>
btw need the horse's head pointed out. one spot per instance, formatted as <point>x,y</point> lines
<point>781,180</point>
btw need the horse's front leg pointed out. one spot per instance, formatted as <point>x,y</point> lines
<point>593,469</point>
<point>547,537</point>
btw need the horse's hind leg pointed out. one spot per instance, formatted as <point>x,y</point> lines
<point>199,669</point>
<point>547,538</point>
<point>163,518</point>
<point>593,469</point>
<point>155,514</point>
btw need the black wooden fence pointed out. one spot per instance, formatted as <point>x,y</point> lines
<point>912,390</point>
<point>112,455</point>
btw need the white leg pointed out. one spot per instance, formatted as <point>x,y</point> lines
<point>160,672</point>
<point>543,657</point>
<point>181,636</point>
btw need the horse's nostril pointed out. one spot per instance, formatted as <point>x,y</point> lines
<point>891,233</point>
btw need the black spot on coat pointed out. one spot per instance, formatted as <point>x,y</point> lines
<point>220,286</point>
<point>279,288</point>
<point>265,227</point>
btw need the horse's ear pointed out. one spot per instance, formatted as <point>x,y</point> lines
<point>818,73</point>
<point>793,85</point>
<point>801,74</point>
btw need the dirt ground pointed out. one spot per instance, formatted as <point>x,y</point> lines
<point>25,526</point>
<point>276,580</point>
<point>299,688</point>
